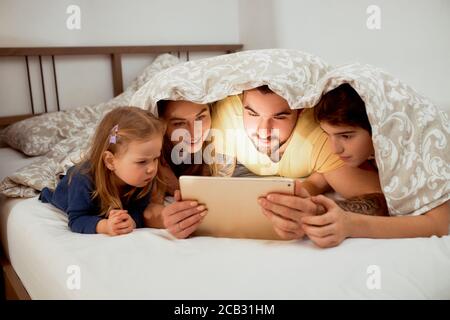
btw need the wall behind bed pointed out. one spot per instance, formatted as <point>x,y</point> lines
<point>87,80</point>
<point>413,42</point>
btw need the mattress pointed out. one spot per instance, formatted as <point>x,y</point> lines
<point>54,263</point>
<point>11,160</point>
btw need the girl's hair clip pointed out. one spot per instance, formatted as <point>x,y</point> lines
<point>113,135</point>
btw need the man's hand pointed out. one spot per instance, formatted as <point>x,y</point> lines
<point>329,229</point>
<point>286,211</point>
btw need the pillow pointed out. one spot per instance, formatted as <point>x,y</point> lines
<point>2,139</point>
<point>36,136</point>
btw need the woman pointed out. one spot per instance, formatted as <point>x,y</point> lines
<point>188,127</point>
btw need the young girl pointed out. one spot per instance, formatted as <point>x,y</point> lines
<point>110,189</point>
<point>342,115</point>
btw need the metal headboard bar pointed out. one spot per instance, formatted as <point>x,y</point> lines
<point>43,84</point>
<point>29,84</point>
<point>115,53</point>
<point>56,83</point>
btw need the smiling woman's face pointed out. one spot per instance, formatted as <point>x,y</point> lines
<point>188,122</point>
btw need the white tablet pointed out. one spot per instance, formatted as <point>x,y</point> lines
<point>232,203</point>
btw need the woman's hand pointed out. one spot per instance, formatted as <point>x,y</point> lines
<point>329,229</point>
<point>118,222</point>
<point>286,211</point>
<point>182,218</point>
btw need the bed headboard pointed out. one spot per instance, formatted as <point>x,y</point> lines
<point>115,53</point>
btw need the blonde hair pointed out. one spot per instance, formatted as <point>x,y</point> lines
<point>132,124</point>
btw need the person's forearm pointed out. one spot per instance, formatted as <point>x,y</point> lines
<point>153,216</point>
<point>102,226</point>
<point>312,188</point>
<point>316,184</point>
<point>363,226</point>
<point>352,182</point>
<point>372,204</point>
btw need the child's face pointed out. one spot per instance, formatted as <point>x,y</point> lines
<point>138,164</point>
<point>268,120</point>
<point>352,144</point>
<point>193,121</point>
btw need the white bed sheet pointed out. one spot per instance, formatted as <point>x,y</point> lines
<point>150,264</point>
<point>11,160</point>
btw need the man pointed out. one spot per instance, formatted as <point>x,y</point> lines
<point>272,139</point>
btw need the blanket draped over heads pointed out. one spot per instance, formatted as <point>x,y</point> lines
<point>287,72</point>
<point>409,133</point>
<point>410,136</point>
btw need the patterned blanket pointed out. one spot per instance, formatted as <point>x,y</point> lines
<point>410,134</point>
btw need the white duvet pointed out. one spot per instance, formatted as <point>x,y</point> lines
<point>149,264</point>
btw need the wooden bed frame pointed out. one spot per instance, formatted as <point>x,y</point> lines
<point>13,287</point>
<point>115,54</point>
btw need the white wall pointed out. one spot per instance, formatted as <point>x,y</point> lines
<point>412,44</point>
<point>103,22</point>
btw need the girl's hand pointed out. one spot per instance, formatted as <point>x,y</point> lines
<point>119,222</point>
<point>329,229</point>
<point>182,218</point>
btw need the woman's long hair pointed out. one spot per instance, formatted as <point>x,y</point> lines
<point>117,129</point>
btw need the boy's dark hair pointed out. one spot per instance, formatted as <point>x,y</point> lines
<point>342,106</point>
